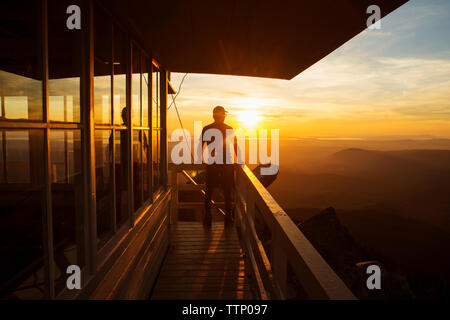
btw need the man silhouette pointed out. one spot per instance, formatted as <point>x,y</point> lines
<point>220,173</point>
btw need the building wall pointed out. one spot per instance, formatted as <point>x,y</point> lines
<point>131,267</point>
<point>82,154</point>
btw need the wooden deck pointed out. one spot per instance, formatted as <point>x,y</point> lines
<point>203,264</point>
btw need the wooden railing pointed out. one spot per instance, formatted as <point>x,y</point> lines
<point>288,246</point>
<point>179,173</point>
<point>257,215</point>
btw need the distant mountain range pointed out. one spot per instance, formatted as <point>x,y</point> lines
<point>394,204</point>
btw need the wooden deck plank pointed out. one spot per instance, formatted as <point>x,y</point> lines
<point>203,264</point>
<point>206,295</point>
<point>201,267</point>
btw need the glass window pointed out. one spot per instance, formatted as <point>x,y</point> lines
<point>141,144</point>
<point>103,180</point>
<point>21,199</point>
<point>67,201</point>
<point>137,168</point>
<point>155,98</point>
<point>64,64</point>
<point>156,147</point>
<point>20,72</point>
<point>120,71</point>
<point>121,167</point>
<point>156,161</point>
<point>145,164</point>
<point>145,88</point>
<point>112,146</point>
<point>18,157</point>
<point>136,88</point>
<point>102,67</point>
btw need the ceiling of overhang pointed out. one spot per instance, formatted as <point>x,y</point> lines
<point>262,38</point>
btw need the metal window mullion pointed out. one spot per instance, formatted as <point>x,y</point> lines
<point>163,126</point>
<point>141,56</point>
<point>140,135</point>
<point>5,174</point>
<point>141,166</point>
<point>158,99</point>
<point>113,133</point>
<point>2,102</point>
<point>66,157</point>
<point>130,132</point>
<point>10,124</point>
<point>150,124</point>
<point>49,266</point>
<point>158,126</point>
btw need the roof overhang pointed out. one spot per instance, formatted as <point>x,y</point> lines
<point>263,38</point>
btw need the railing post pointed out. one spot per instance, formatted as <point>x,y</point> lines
<point>279,266</point>
<point>174,201</point>
<point>250,200</point>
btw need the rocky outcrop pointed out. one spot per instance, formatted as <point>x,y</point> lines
<point>345,256</point>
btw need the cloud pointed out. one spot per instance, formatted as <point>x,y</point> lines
<point>376,79</point>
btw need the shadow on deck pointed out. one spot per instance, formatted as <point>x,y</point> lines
<point>261,258</point>
<point>203,264</point>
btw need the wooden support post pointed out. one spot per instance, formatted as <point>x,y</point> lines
<point>87,137</point>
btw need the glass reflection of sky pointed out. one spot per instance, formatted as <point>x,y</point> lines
<point>16,107</point>
<point>22,96</point>
<point>61,108</point>
<point>64,99</point>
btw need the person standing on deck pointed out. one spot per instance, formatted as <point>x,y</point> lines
<point>219,174</point>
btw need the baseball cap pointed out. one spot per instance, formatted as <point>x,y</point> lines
<point>219,109</point>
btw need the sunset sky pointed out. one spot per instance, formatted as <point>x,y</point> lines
<point>389,83</point>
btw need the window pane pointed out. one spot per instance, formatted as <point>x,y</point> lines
<point>120,70</point>
<point>156,160</point>
<point>17,157</point>
<point>121,168</point>
<point>155,98</point>
<point>145,83</point>
<point>64,64</point>
<point>67,201</point>
<point>145,164</point>
<point>21,198</point>
<point>102,68</point>
<point>137,169</point>
<point>136,87</point>
<point>103,180</point>
<point>20,73</point>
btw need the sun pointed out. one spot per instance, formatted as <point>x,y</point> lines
<point>249,118</point>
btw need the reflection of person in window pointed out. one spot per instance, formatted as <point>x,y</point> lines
<point>121,167</point>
